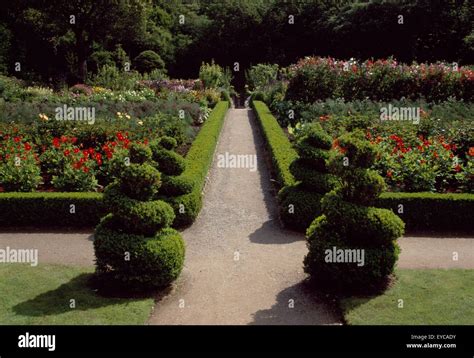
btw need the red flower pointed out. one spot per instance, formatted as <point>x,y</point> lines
<point>73,140</point>
<point>435,154</point>
<point>27,146</point>
<point>56,142</point>
<point>120,136</point>
<point>471,151</point>
<point>389,173</point>
<point>457,168</point>
<point>63,139</point>
<point>76,150</point>
<point>17,139</point>
<point>67,152</point>
<point>85,169</point>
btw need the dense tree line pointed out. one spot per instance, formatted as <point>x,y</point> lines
<point>63,41</point>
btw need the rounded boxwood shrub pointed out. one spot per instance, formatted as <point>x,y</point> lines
<point>139,153</point>
<point>169,162</point>
<point>140,181</point>
<point>147,61</point>
<point>167,142</point>
<point>349,225</point>
<point>298,207</point>
<point>300,204</point>
<point>175,186</point>
<point>134,246</point>
<point>313,146</point>
<point>155,261</point>
<point>186,208</point>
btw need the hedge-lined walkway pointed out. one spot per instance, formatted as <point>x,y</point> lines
<point>240,267</point>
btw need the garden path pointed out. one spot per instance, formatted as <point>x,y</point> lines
<point>241,267</point>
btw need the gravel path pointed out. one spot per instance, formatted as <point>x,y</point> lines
<point>241,268</point>
<point>58,248</point>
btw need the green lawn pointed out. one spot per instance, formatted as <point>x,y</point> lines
<point>444,297</point>
<point>42,294</point>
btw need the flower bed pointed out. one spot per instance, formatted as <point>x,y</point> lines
<point>421,211</point>
<point>314,78</point>
<point>49,209</point>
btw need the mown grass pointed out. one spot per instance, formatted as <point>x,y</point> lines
<point>431,296</point>
<point>42,295</point>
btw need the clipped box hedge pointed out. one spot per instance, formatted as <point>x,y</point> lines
<point>421,211</point>
<point>278,144</point>
<point>432,211</point>
<point>53,210</point>
<point>198,162</point>
<point>75,210</point>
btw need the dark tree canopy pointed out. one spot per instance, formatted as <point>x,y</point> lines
<point>65,40</point>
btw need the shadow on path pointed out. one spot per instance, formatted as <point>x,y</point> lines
<point>297,305</point>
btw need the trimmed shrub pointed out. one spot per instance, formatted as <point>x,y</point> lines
<point>147,61</point>
<point>169,162</point>
<point>350,224</point>
<point>298,207</point>
<point>134,245</point>
<point>312,145</point>
<point>175,186</point>
<point>155,261</point>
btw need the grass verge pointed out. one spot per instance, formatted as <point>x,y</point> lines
<point>42,295</point>
<point>431,296</point>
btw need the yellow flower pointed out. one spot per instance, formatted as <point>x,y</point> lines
<point>127,116</point>
<point>140,123</point>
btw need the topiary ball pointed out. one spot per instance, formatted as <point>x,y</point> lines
<point>169,162</point>
<point>140,181</point>
<point>139,153</point>
<point>167,142</point>
<point>137,261</point>
<point>346,278</point>
<point>143,217</point>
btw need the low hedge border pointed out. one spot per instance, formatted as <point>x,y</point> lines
<point>50,209</point>
<point>421,211</point>
<point>84,210</point>
<point>198,162</point>
<point>280,148</point>
<point>432,211</point>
